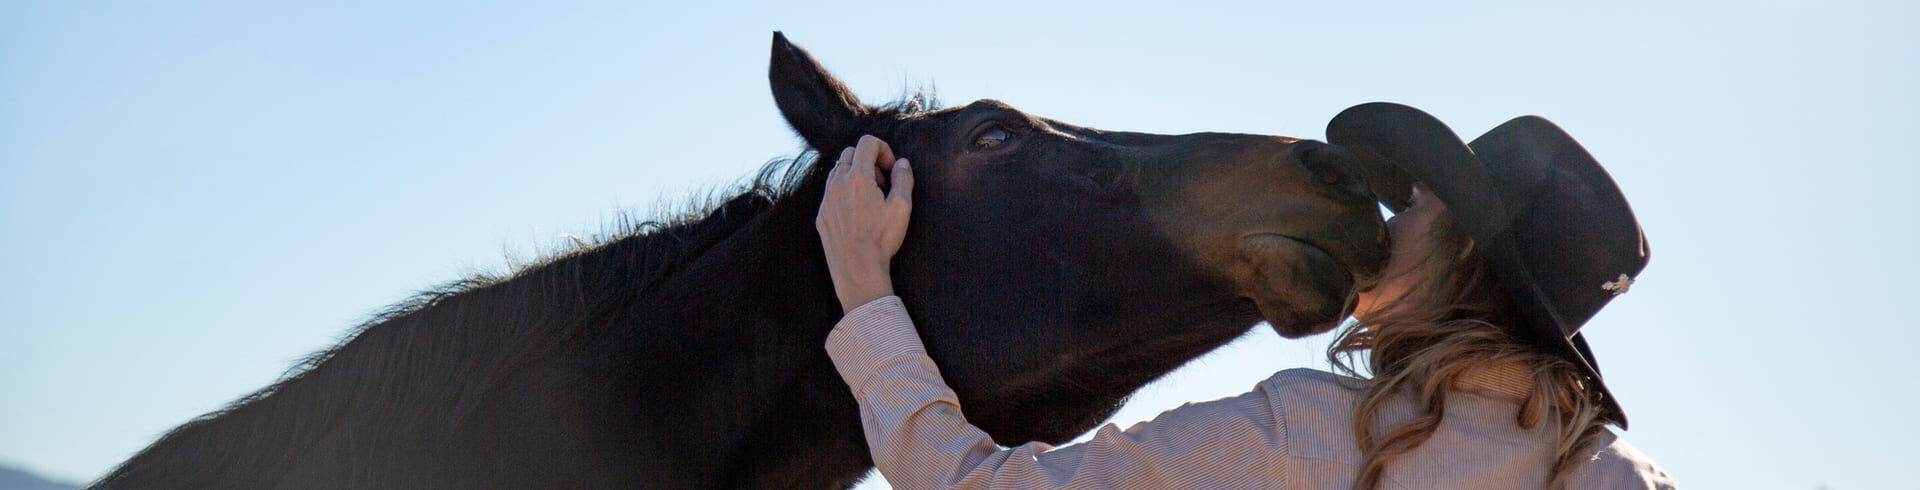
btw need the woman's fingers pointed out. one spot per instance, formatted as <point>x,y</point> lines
<point>902,176</point>
<point>899,206</point>
<point>865,160</point>
<point>882,163</point>
<point>869,160</point>
<point>884,155</point>
<point>864,154</point>
<point>840,166</point>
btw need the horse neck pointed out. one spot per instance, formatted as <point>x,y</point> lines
<point>747,392</point>
<point>751,286</point>
<point>767,281</point>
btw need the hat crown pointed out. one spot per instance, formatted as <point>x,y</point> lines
<point>1570,225</point>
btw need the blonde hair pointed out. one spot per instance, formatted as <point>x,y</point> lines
<point>1444,325</point>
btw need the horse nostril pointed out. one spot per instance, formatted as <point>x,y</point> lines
<point>1330,177</point>
<point>1332,166</point>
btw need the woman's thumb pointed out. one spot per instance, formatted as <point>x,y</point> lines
<point>902,177</point>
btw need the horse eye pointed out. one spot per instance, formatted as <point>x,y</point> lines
<point>991,137</point>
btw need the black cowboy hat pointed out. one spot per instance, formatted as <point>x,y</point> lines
<point>1550,222</point>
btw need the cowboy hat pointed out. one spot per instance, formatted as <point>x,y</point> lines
<point>1555,229</point>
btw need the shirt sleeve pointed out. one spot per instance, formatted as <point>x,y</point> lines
<point>920,439</point>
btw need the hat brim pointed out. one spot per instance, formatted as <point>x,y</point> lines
<point>1399,146</point>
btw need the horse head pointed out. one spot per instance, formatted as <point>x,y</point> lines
<point>1052,268</point>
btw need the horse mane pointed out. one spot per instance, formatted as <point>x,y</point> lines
<point>427,361</point>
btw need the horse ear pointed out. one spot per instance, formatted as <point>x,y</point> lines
<point>818,106</point>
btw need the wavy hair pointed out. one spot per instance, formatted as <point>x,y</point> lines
<point>1445,324</point>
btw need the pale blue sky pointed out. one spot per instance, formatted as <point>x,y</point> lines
<point>192,197</point>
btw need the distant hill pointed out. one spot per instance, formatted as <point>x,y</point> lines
<point>12,479</point>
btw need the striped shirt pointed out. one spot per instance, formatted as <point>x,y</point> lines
<point>1293,430</point>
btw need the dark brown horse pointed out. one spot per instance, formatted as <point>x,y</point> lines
<point>1052,270</point>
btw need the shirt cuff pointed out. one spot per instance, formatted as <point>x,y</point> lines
<point>871,337</point>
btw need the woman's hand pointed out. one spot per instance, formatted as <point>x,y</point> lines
<point>860,227</point>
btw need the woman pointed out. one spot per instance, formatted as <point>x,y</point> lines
<point>1477,375</point>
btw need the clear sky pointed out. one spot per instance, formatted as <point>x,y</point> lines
<point>193,196</point>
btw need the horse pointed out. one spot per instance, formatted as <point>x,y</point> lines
<point>1052,270</point>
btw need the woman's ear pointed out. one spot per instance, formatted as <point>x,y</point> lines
<point>817,105</point>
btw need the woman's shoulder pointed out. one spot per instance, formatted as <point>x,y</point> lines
<point>1309,379</point>
<point>1315,409</point>
<point>1618,465</point>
